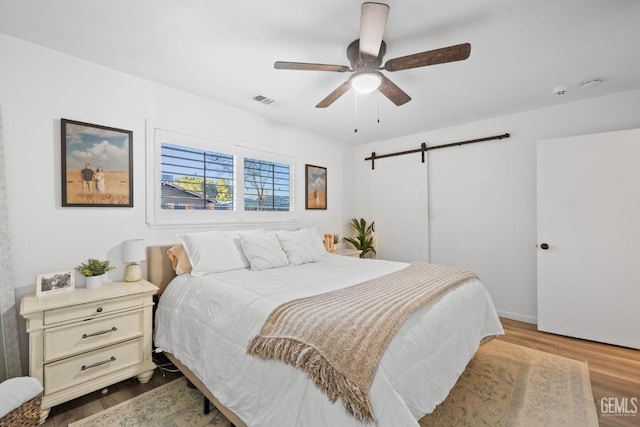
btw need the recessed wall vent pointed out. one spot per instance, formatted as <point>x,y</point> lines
<point>265,100</point>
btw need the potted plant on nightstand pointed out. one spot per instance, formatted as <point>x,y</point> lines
<point>363,241</point>
<point>94,270</point>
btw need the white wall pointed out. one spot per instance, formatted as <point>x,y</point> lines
<point>482,197</point>
<point>39,86</point>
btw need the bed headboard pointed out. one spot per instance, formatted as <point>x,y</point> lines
<point>159,269</point>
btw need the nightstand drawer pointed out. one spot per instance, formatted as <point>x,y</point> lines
<point>85,311</point>
<point>88,366</point>
<point>75,338</point>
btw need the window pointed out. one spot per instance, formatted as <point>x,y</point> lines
<point>267,186</point>
<point>193,178</point>
<point>195,181</point>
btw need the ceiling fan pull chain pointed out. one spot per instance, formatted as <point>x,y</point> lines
<point>378,99</point>
<point>355,111</point>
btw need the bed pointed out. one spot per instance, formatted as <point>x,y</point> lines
<point>205,322</point>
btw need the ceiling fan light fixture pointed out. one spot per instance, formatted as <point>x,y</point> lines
<point>366,82</point>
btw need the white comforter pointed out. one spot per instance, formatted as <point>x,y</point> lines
<point>207,322</point>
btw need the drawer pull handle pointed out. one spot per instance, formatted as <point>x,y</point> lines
<point>99,333</point>
<point>95,365</point>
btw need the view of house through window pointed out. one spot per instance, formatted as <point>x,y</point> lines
<point>198,179</point>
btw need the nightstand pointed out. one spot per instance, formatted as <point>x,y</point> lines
<point>347,252</point>
<point>87,339</point>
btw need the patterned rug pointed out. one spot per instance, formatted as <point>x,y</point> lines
<point>508,385</point>
<point>170,405</point>
<point>504,385</point>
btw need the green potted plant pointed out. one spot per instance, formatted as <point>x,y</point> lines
<point>363,241</point>
<point>93,270</point>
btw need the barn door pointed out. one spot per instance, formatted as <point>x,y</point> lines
<point>589,237</point>
<point>400,210</point>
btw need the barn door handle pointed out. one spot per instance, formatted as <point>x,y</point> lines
<point>544,246</point>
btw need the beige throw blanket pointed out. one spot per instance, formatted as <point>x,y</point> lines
<point>338,338</point>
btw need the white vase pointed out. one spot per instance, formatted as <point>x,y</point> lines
<point>92,282</point>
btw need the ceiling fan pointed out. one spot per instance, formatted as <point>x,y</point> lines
<point>365,56</point>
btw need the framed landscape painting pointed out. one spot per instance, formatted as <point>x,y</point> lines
<point>97,165</point>
<point>316,188</point>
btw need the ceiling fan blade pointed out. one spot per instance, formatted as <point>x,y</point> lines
<point>373,20</point>
<point>438,56</point>
<point>340,90</point>
<point>393,92</point>
<point>305,66</point>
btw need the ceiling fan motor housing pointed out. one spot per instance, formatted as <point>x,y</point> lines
<point>364,61</point>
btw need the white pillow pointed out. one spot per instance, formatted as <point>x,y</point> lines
<point>235,234</point>
<point>212,252</point>
<point>299,246</point>
<point>263,251</point>
<point>317,242</point>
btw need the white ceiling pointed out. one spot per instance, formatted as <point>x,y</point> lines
<point>224,50</point>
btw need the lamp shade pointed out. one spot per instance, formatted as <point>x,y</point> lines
<point>133,250</point>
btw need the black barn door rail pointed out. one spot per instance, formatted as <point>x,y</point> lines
<point>423,148</point>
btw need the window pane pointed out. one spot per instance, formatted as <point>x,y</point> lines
<point>267,186</point>
<point>196,179</point>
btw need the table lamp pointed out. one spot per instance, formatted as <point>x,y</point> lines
<point>133,252</point>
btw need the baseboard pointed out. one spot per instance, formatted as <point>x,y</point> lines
<point>518,317</point>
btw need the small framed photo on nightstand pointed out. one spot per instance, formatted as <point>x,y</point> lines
<point>61,281</point>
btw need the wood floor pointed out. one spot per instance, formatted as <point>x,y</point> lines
<point>615,373</point>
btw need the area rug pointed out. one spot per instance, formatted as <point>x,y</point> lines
<point>170,405</point>
<point>508,385</point>
<point>504,385</point>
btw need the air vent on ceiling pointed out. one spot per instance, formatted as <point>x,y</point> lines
<point>590,83</point>
<point>265,100</point>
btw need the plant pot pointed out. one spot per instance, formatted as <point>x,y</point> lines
<point>92,282</point>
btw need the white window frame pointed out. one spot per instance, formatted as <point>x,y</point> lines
<point>236,218</point>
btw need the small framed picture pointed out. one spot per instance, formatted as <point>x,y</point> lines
<point>60,281</point>
<point>97,165</point>
<point>316,188</point>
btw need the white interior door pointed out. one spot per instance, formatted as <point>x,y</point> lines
<point>400,209</point>
<point>589,216</point>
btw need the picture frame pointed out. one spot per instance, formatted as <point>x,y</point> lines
<point>59,281</point>
<point>316,187</point>
<point>97,165</point>
<point>329,244</point>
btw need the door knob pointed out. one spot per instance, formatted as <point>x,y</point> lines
<point>544,246</point>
